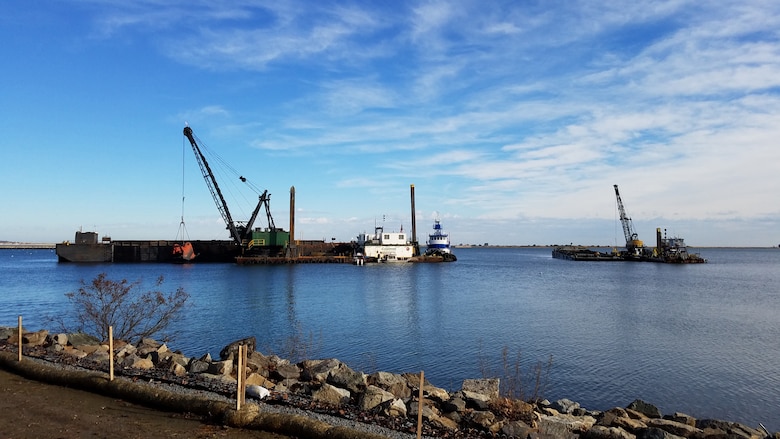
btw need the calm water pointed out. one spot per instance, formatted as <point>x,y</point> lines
<point>701,339</point>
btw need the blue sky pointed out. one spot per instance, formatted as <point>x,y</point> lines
<point>513,119</point>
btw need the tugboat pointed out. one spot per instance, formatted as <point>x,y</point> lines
<point>439,240</point>
<point>438,246</point>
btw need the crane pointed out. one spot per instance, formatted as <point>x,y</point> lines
<point>633,244</point>
<point>239,232</point>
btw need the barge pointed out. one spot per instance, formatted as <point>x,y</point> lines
<point>87,248</point>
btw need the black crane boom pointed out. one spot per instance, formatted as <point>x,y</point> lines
<point>211,182</point>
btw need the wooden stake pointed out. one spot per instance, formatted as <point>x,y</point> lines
<point>420,405</point>
<point>238,377</point>
<point>20,338</point>
<point>243,374</point>
<point>111,353</point>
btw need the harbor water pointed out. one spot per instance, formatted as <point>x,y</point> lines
<point>701,339</point>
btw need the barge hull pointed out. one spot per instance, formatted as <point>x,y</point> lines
<point>145,251</point>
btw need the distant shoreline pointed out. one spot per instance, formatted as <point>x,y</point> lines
<point>26,245</point>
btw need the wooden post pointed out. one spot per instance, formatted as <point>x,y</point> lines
<point>420,405</point>
<point>20,338</point>
<point>111,353</point>
<point>243,374</point>
<point>238,376</point>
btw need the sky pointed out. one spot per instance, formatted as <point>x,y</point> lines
<point>512,119</point>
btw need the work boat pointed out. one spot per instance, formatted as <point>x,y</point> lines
<point>439,240</point>
<point>385,246</point>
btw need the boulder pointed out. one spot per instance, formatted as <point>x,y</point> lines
<point>565,423</point>
<point>482,419</point>
<point>177,369</point>
<point>455,404</point>
<point>142,363</point>
<point>60,339</point>
<point>99,356</point>
<point>7,333</point>
<point>436,393</point>
<point>393,383</point>
<point>730,428</point>
<point>602,432</point>
<point>474,400</point>
<point>657,433</point>
<point>394,408</point>
<point>516,429</point>
<point>488,387</point>
<point>80,339</point>
<point>445,423</point>
<point>220,368</point>
<point>318,370</point>
<point>682,418</point>
<point>632,425</point>
<point>331,395</point>
<point>259,363</point>
<point>429,412</point>
<point>675,428</point>
<point>645,408</point>
<point>229,352</point>
<point>198,366</point>
<point>259,380</point>
<point>35,338</point>
<point>565,406</point>
<point>286,372</point>
<point>73,352</point>
<point>346,378</point>
<point>608,417</point>
<point>126,350</point>
<point>372,397</point>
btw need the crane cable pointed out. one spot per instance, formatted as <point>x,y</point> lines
<point>182,227</point>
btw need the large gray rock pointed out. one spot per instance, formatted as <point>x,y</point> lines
<point>731,428</point>
<point>602,432</point>
<point>393,383</point>
<point>565,423</point>
<point>455,404</point>
<point>198,366</point>
<point>676,428</point>
<point>486,386</point>
<point>482,418</point>
<point>516,429</point>
<point>331,395</point>
<point>565,406</point>
<point>657,433</point>
<point>220,368</point>
<point>396,408</point>
<point>346,378</point>
<point>476,400</point>
<point>81,339</point>
<point>645,408</point>
<point>372,397</point>
<point>318,370</point>
<point>60,339</point>
<point>229,352</point>
<point>285,372</point>
<point>258,363</point>
<point>35,338</point>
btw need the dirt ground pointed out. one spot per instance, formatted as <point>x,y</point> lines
<point>31,409</point>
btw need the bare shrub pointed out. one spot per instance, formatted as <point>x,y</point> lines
<point>517,383</point>
<point>134,315</point>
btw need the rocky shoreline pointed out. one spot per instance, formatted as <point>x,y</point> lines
<point>349,403</point>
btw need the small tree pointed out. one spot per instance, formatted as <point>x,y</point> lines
<point>104,302</point>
